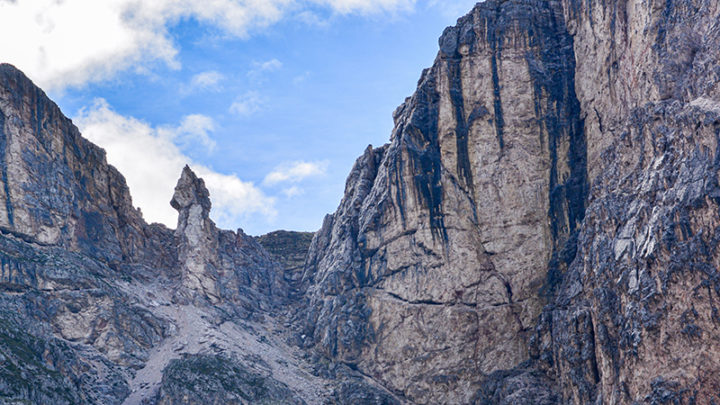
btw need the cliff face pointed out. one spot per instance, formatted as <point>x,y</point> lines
<point>635,318</point>
<point>430,274</point>
<point>57,188</point>
<point>289,249</point>
<point>543,228</point>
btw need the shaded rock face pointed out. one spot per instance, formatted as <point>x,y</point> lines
<point>290,249</point>
<point>635,319</point>
<point>203,379</point>
<point>430,273</point>
<point>57,188</point>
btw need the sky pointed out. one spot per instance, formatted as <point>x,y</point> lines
<point>269,101</point>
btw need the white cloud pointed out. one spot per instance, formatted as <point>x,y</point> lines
<point>195,128</point>
<point>247,104</point>
<point>73,42</point>
<point>295,172</point>
<point>204,81</point>
<point>259,69</point>
<point>312,19</point>
<point>268,66</point>
<point>293,191</point>
<point>151,163</point>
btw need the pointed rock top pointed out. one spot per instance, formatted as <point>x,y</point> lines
<point>14,77</point>
<point>8,68</point>
<point>190,190</point>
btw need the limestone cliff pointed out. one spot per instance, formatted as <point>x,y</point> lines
<point>635,319</point>
<point>430,274</point>
<point>220,266</point>
<point>290,249</point>
<point>541,226</point>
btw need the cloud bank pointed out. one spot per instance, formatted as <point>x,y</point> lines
<point>152,163</point>
<point>74,42</point>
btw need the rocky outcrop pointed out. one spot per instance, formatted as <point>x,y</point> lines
<point>289,249</point>
<point>196,237</point>
<point>635,317</point>
<point>217,380</point>
<point>69,332</point>
<point>221,266</point>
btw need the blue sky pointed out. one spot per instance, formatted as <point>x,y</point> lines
<point>270,101</point>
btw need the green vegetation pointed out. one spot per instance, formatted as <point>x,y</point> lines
<point>225,381</point>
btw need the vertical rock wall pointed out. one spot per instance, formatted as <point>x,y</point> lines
<point>429,275</point>
<point>57,188</point>
<point>635,319</point>
<point>559,155</point>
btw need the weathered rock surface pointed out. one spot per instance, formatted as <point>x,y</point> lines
<point>556,167</point>
<point>429,275</point>
<point>57,187</point>
<point>542,227</point>
<point>635,318</point>
<point>198,379</point>
<point>289,249</point>
<point>222,267</point>
<point>95,304</point>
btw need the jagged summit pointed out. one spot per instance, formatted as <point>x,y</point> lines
<point>8,71</point>
<point>95,303</point>
<point>190,190</point>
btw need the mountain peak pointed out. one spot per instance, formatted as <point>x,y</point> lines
<point>6,68</point>
<point>190,190</point>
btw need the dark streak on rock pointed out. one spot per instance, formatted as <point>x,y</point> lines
<point>495,42</point>
<point>3,165</point>
<point>464,169</point>
<point>461,35</point>
<point>552,69</point>
<point>423,148</point>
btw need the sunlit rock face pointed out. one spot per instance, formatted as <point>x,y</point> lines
<point>542,228</point>
<point>196,235</point>
<point>220,267</point>
<point>430,274</point>
<point>543,215</point>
